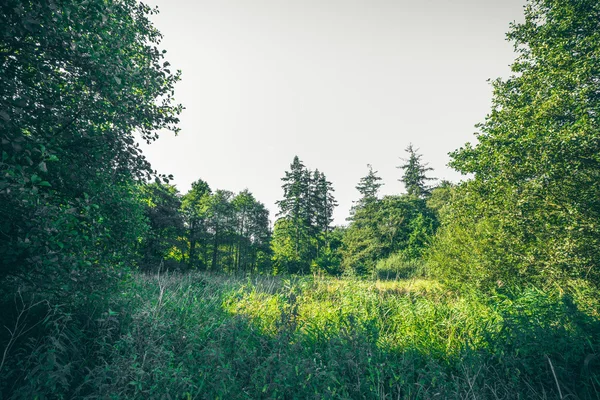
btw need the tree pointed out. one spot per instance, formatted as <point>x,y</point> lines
<point>253,235</point>
<point>441,197</point>
<point>414,176</point>
<point>77,83</point>
<point>162,243</point>
<point>295,208</point>
<point>306,213</point>
<point>194,207</point>
<point>295,205</point>
<point>368,187</point>
<point>323,205</point>
<point>383,227</point>
<point>220,225</point>
<point>536,163</point>
<point>226,231</point>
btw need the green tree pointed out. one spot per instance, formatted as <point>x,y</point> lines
<point>305,216</point>
<point>162,243</point>
<point>536,163</point>
<point>194,207</point>
<point>441,197</point>
<point>383,227</point>
<point>221,227</point>
<point>295,208</point>
<point>323,205</point>
<point>252,248</point>
<point>77,83</point>
<point>368,187</point>
<point>415,176</point>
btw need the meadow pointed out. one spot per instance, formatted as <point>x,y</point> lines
<point>212,336</point>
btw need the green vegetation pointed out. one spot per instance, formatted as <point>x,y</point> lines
<point>201,335</point>
<point>113,284</point>
<point>301,238</point>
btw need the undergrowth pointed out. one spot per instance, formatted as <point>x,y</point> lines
<point>204,336</point>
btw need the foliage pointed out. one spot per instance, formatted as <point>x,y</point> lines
<point>302,233</point>
<point>77,82</point>
<point>383,227</point>
<point>414,176</point>
<point>213,336</point>
<point>252,247</point>
<point>77,214</point>
<point>368,187</point>
<point>533,206</point>
<point>219,231</point>
<point>441,197</point>
<point>194,208</point>
<point>162,242</point>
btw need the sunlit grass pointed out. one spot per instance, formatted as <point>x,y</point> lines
<point>204,335</point>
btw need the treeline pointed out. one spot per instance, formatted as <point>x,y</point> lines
<point>204,230</point>
<point>77,208</point>
<point>225,232</point>
<point>303,234</point>
<point>304,240</point>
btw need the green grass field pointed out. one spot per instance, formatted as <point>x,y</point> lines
<point>204,336</point>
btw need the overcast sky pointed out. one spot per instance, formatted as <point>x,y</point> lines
<point>341,84</point>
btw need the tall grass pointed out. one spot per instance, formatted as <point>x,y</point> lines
<point>209,336</point>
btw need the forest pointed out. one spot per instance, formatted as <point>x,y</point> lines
<point>113,284</point>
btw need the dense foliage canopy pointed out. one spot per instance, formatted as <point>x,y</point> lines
<point>533,207</point>
<point>77,84</point>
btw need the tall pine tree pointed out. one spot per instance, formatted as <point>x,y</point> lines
<point>368,187</point>
<point>305,216</point>
<point>414,177</point>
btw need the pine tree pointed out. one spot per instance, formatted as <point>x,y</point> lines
<point>414,177</point>
<point>305,216</point>
<point>324,204</point>
<point>295,206</point>
<point>368,187</point>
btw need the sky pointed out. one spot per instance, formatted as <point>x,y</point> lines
<point>339,83</point>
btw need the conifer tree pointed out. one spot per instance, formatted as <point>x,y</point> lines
<point>368,187</point>
<point>414,176</point>
<point>295,206</point>
<point>324,204</point>
<point>305,216</point>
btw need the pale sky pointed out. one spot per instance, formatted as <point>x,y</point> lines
<point>340,83</point>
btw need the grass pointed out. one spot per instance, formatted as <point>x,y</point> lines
<point>206,336</point>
